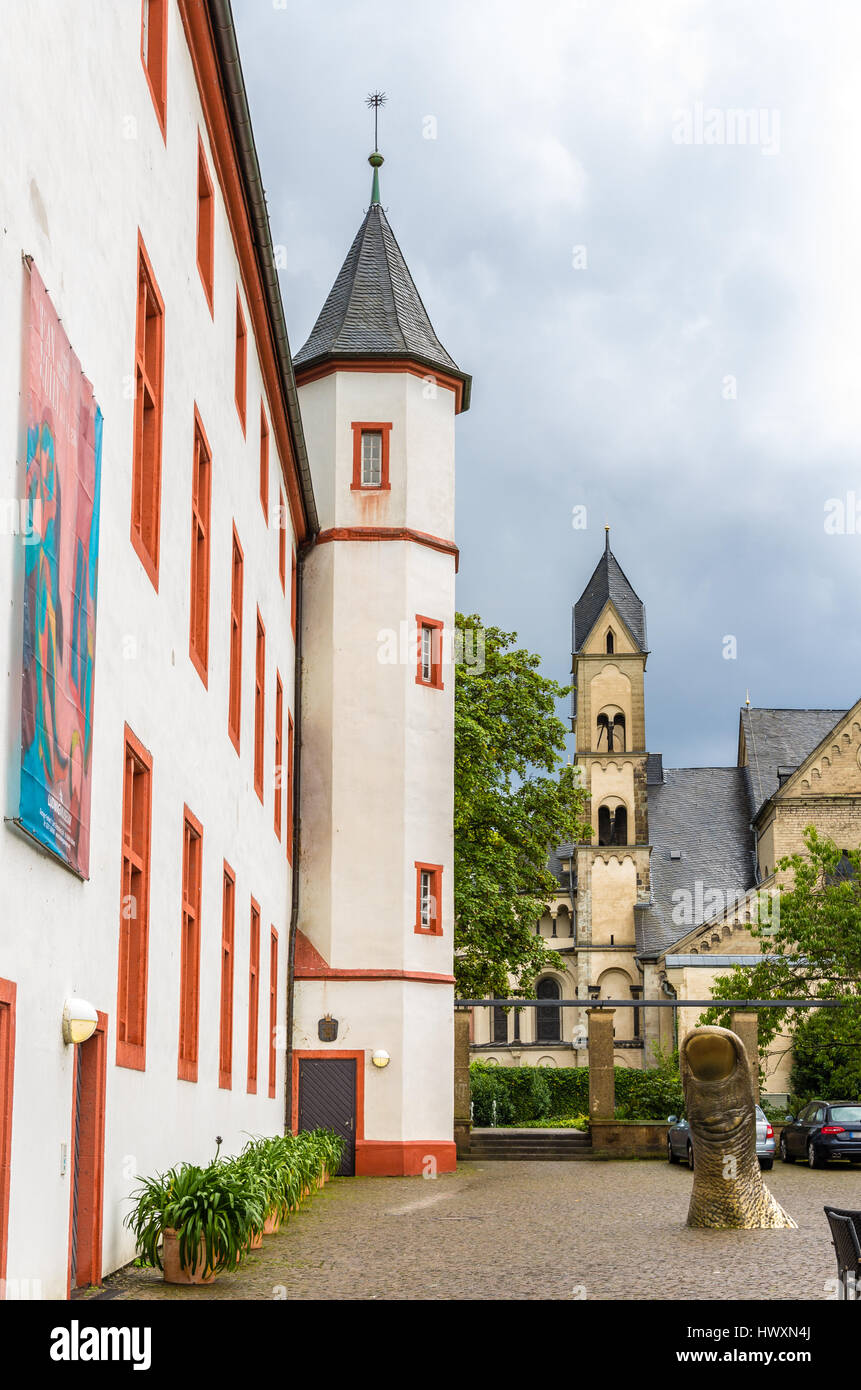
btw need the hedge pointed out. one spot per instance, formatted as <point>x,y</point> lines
<point>524,1094</point>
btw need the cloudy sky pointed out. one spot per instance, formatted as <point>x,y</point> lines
<point>658,297</point>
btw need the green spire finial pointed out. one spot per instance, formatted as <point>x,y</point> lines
<point>375,101</point>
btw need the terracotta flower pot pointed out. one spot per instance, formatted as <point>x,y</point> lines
<point>272,1223</point>
<point>254,1241</point>
<point>177,1273</point>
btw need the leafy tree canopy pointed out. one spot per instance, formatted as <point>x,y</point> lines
<point>813,952</point>
<point>514,800</point>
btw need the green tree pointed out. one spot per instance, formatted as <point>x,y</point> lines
<point>812,951</point>
<point>513,800</point>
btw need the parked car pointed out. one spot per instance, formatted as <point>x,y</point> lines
<point>825,1130</point>
<point>680,1148</point>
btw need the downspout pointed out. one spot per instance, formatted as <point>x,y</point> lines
<point>297,838</point>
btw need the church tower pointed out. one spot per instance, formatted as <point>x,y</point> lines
<point>609,662</point>
<point>374,1014</point>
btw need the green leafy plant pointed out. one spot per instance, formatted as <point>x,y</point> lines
<point>217,1209</point>
<point>534,1095</point>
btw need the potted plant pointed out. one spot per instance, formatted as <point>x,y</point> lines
<point>201,1217</point>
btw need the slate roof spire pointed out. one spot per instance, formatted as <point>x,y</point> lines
<point>374,310</point>
<point>609,582</point>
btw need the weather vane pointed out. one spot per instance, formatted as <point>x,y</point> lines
<point>376,100</point>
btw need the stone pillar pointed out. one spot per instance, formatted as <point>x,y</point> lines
<point>602,1078</point>
<point>745,1022</point>
<point>462,1122</point>
<point>650,1019</point>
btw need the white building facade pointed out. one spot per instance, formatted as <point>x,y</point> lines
<point>128,195</point>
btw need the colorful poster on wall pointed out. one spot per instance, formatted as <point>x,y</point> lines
<point>61,550</point>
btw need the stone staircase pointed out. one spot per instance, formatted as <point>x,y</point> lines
<point>554,1145</point>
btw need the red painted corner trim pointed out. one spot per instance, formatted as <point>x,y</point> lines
<point>8,993</point>
<point>310,965</point>
<point>359,1059</point>
<point>390,533</point>
<point>404,1158</point>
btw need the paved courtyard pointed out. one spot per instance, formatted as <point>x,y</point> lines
<point>532,1230</point>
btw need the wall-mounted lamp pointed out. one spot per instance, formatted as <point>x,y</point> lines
<point>80,1021</point>
<point>380,1058</point>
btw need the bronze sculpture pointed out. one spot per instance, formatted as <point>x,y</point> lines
<point>728,1190</point>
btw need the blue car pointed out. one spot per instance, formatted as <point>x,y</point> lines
<point>681,1150</point>
<point>825,1130</point>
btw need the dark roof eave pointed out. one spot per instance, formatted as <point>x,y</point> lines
<point>230,67</point>
<point>310,363</point>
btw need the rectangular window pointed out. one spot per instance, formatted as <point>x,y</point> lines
<point>293,593</point>
<point>370,455</point>
<point>241,361</point>
<point>154,54</point>
<point>201,492</point>
<point>428,902</point>
<point>259,704</point>
<point>228,929</point>
<point>149,391</point>
<point>205,226</point>
<point>273,1009</point>
<point>134,905</point>
<point>234,708</point>
<point>7,1076</point>
<point>282,541</point>
<point>253,996</point>
<point>264,463</point>
<point>289,792</point>
<point>189,973</point>
<point>279,717</point>
<point>429,633</point>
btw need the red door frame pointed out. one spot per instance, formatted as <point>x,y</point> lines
<point>359,1059</point>
<point>8,992</point>
<point>91,1179</point>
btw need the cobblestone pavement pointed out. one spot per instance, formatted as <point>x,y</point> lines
<point>532,1230</point>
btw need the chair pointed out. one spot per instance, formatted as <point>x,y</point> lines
<point>846,1239</point>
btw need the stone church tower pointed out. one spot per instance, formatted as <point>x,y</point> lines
<point>373,1032</point>
<point>610,649</point>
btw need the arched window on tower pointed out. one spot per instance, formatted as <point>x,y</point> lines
<point>611,642</point>
<point>613,825</point>
<point>605,825</point>
<point>605,735</point>
<point>620,826</point>
<point>617,734</point>
<point>548,1024</point>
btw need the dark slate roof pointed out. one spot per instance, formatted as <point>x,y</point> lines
<point>780,739</point>
<point>554,864</point>
<point>703,813</point>
<point>608,582</point>
<point>374,308</point>
<point>654,769</point>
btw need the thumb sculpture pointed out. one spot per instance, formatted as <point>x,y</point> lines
<point>728,1190</point>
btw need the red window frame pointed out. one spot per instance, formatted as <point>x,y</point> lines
<point>264,463</point>
<point>273,1009</point>
<point>205,226</point>
<point>241,365</point>
<point>201,498</point>
<point>154,56</point>
<point>133,953</point>
<point>259,704</point>
<point>289,832</point>
<point>253,996</point>
<point>228,946</point>
<point>189,972</point>
<point>234,700</point>
<point>8,992</point>
<point>436,629</point>
<point>148,413</point>
<point>279,727</point>
<point>282,541</point>
<point>435,871</point>
<point>359,427</point>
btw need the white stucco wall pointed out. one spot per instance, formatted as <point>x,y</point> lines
<point>85,167</point>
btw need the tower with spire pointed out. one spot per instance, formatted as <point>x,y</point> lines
<point>373,1027</point>
<point>610,650</point>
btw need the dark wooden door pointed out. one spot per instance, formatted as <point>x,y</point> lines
<point>327,1100</point>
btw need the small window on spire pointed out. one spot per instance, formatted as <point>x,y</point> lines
<point>611,642</point>
<point>372,458</point>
